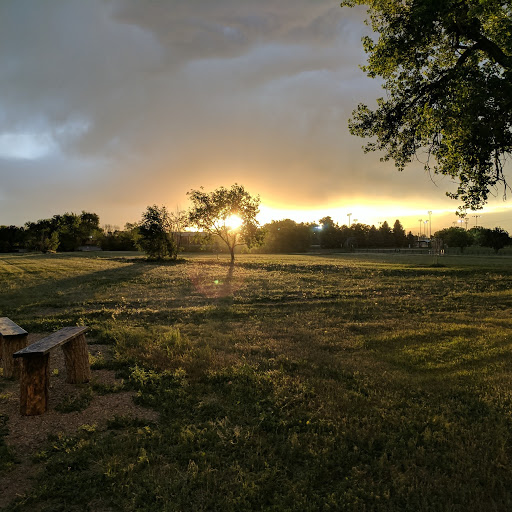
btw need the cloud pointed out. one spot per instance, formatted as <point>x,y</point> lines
<point>25,146</point>
<point>116,104</point>
<point>200,29</point>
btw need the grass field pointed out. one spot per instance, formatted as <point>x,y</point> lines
<point>300,383</point>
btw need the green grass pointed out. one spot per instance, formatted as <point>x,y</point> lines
<point>7,457</point>
<point>315,382</point>
<point>76,403</point>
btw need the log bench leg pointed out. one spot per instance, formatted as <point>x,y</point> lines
<point>10,345</point>
<point>76,356</point>
<point>34,382</point>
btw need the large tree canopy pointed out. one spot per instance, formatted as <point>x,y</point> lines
<point>447,71</point>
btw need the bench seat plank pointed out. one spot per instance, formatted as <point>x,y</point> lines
<point>44,345</point>
<point>9,328</point>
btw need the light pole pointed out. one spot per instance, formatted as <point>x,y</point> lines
<point>430,223</point>
<point>476,220</point>
<point>348,215</point>
<point>421,222</point>
<point>426,224</point>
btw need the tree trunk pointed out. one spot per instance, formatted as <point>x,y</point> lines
<point>34,385</point>
<point>77,361</point>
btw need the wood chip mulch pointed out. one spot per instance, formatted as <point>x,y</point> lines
<point>28,434</point>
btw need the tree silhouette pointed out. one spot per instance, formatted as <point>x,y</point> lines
<point>155,237</point>
<point>496,238</point>
<point>399,236</point>
<point>286,235</point>
<point>455,237</point>
<point>211,212</point>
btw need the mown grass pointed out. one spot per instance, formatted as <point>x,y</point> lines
<point>340,382</point>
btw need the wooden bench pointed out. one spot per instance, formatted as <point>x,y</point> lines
<point>34,379</point>
<point>12,339</point>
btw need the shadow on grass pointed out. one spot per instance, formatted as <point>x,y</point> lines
<point>29,305</point>
<point>452,357</point>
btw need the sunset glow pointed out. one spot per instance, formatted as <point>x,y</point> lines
<point>374,214</point>
<point>371,215</point>
<point>233,222</point>
<point>260,95</point>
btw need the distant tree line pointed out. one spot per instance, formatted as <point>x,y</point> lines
<point>288,236</point>
<point>358,235</point>
<point>65,233</point>
<point>160,234</point>
<point>495,239</point>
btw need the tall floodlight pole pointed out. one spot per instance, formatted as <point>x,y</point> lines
<point>421,222</point>
<point>476,220</point>
<point>430,223</point>
<point>426,224</point>
<point>466,220</point>
<point>348,215</point>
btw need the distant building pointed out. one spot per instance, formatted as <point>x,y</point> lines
<point>192,240</point>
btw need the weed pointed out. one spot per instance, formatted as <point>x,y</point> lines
<point>78,402</point>
<point>7,457</point>
<point>104,389</point>
<point>124,422</point>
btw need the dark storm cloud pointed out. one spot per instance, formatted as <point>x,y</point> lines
<point>121,102</point>
<point>202,28</point>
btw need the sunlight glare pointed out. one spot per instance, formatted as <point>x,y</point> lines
<point>233,221</point>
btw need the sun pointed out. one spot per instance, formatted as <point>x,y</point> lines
<point>233,221</point>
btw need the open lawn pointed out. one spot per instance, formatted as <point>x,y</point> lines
<point>300,383</point>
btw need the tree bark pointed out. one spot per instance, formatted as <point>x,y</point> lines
<point>77,361</point>
<point>34,385</point>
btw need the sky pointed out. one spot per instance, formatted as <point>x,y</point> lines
<point>109,106</point>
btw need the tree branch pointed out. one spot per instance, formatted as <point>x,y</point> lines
<point>471,28</point>
<point>494,51</point>
<point>470,50</point>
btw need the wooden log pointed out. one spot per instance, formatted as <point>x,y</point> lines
<point>35,366</point>
<point>34,385</point>
<point>10,345</point>
<point>12,339</point>
<point>76,357</point>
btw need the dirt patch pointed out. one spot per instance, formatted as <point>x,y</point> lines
<point>27,434</point>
